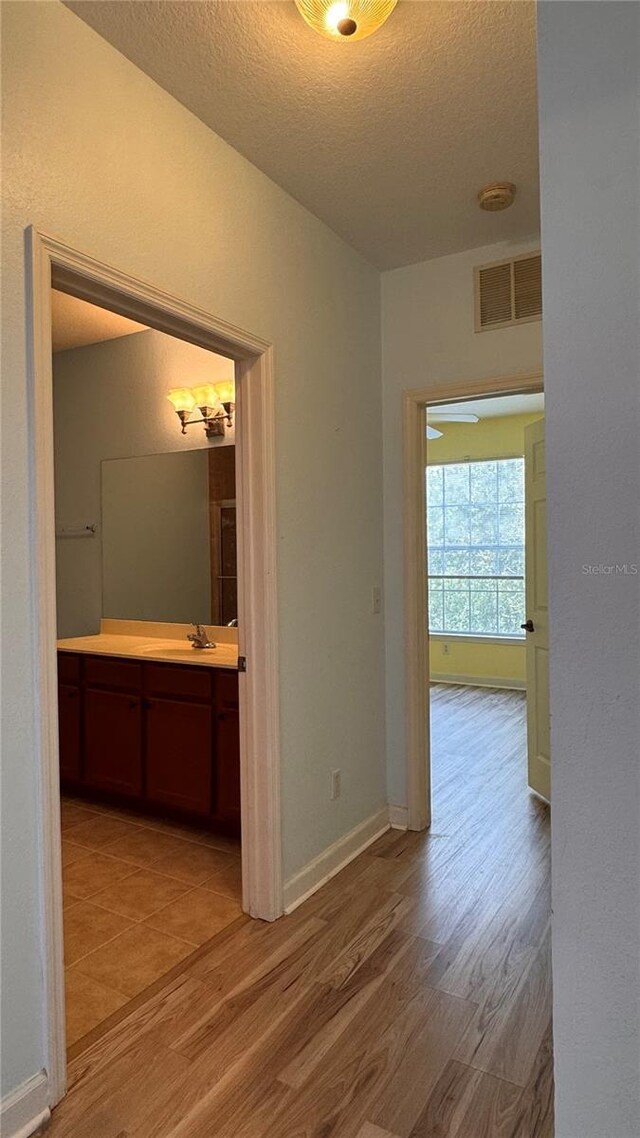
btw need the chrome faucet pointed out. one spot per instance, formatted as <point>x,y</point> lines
<point>200,638</point>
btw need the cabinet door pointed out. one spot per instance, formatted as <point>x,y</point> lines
<point>228,767</point>
<point>179,754</point>
<point>69,730</point>
<point>113,741</point>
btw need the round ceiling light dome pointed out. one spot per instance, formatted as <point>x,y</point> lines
<point>496,196</point>
<point>345,19</point>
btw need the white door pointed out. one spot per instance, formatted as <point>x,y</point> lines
<point>537,626</point>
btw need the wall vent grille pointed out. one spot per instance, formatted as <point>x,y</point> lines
<point>508,292</point>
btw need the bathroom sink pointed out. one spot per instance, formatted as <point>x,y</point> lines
<point>173,649</point>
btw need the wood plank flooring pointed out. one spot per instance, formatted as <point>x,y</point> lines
<point>409,998</point>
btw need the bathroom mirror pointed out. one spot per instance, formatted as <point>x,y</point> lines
<point>169,537</point>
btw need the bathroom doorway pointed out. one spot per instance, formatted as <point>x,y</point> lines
<point>141,704</point>
<point>147,623</point>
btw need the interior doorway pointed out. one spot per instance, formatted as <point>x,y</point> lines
<point>486,572</point>
<point>472,787</point>
<point>74,274</point>
<point>416,615</point>
<point>148,708</point>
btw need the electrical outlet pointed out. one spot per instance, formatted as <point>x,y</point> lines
<point>335,785</point>
<point>445,649</point>
<point>376,599</point>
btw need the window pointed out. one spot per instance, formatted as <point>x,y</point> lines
<point>475,542</point>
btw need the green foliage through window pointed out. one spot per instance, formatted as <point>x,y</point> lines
<point>475,545</point>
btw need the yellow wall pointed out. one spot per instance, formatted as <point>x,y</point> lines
<point>453,657</point>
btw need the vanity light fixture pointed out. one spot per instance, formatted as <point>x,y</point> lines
<point>345,19</point>
<point>215,401</point>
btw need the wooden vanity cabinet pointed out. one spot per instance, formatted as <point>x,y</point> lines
<point>178,755</point>
<point>112,741</point>
<point>228,745</point>
<point>69,718</point>
<point>69,726</point>
<point>112,735</point>
<point>159,736</point>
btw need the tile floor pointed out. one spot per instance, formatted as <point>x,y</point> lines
<point>140,895</point>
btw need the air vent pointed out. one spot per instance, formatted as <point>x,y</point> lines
<point>508,292</point>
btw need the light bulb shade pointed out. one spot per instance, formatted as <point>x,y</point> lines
<point>205,396</point>
<point>346,20</point>
<point>181,399</point>
<point>226,391</point>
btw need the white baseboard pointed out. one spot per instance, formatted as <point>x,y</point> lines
<point>322,868</point>
<point>479,682</point>
<point>25,1110</point>
<point>399,817</point>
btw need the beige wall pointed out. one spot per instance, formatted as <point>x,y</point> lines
<point>428,338</point>
<point>110,401</point>
<point>97,154</point>
<point>589,84</point>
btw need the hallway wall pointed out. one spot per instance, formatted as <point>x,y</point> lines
<point>589,117</point>
<point>98,155</point>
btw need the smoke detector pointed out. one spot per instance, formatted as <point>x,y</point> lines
<point>496,196</point>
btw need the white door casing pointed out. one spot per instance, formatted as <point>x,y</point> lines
<point>50,261</point>
<point>537,611</point>
<point>416,617</point>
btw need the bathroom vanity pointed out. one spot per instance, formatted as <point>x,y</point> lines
<point>152,724</point>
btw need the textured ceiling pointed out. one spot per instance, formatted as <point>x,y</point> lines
<point>387,140</point>
<point>76,323</point>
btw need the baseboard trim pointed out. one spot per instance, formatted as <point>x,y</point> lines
<point>479,682</point>
<point>322,868</point>
<point>399,817</point>
<point>25,1109</point>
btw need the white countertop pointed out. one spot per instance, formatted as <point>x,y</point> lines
<point>141,641</point>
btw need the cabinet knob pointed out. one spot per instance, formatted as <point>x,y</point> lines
<point>133,703</point>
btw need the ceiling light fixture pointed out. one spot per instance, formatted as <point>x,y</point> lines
<point>345,19</point>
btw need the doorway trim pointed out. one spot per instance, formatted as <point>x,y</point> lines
<point>416,615</point>
<point>51,263</point>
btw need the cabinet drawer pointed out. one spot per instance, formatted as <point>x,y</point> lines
<point>105,671</point>
<point>68,668</point>
<point>226,687</point>
<point>167,679</point>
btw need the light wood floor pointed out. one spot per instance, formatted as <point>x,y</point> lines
<point>409,998</point>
